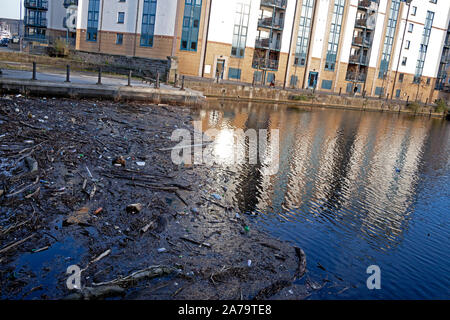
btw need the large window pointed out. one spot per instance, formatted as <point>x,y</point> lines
<point>240,29</point>
<point>304,32</point>
<point>389,38</point>
<point>191,24</point>
<point>424,45</point>
<point>92,27</point>
<point>335,32</point>
<point>148,23</point>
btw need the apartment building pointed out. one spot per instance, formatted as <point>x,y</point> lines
<point>47,20</point>
<point>395,48</point>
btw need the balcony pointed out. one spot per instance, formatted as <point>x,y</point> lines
<point>364,4</point>
<point>68,3</point>
<point>265,64</point>
<point>271,23</point>
<point>35,22</point>
<point>361,42</point>
<point>362,23</point>
<point>356,76</point>
<point>36,4</point>
<point>281,4</point>
<point>265,43</point>
<point>359,59</point>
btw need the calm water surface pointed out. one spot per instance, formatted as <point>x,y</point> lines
<point>353,189</point>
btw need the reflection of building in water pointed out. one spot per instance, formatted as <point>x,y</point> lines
<point>354,169</point>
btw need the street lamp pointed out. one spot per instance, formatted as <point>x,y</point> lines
<point>408,3</point>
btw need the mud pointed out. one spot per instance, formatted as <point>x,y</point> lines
<point>69,170</point>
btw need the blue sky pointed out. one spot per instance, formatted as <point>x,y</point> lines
<point>10,9</point>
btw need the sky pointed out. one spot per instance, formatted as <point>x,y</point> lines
<point>10,9</point>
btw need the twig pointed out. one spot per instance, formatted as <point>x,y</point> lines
<point>15,244</point>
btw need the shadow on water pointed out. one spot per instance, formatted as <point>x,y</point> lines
<point>353,189</point>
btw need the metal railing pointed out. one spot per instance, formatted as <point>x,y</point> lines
<point>266,43</point>
<point>359,59</point>
<point>262,63</point>
<point>361,41</point>
<point>269,22</point>
<point>362,22</point>
<point>364,4</point>
<point>35,22</point>
<point>356,76</point>
<point>275,3</point>
<point>37,4</point>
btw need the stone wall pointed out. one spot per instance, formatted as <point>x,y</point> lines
<point>122,64</point>
<point>305,98</point>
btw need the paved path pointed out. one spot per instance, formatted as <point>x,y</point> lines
<point>76,77</point>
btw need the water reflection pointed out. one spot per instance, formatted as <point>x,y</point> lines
<point>348,174</point>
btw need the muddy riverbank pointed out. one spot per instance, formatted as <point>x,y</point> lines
<point>70,169</point>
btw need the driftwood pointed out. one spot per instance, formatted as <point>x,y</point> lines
<point>148,273</point>
<point>15,244</point>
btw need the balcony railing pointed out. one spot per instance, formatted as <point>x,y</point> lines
<point>35,22</point>
<point>265,43</point>
<point>356,76</point>
<point>362,23</point>
<point>361,41</point>
<point>359,59</point>
<point>262,63</point>
<point>68,3</point>
<point>36,4</point>
<point>271,23</point>
<point>365,4</point>
<point>274,3</point>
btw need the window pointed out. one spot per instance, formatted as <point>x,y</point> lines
<point>401,77</point>
<point>234,73</point>
<point>404,61</point>
<point>351,86</point>
<point>433,1</point>
<point>397,93</point>
<point>240,29</point>
<point>335,32</point>
<point>304,32</point>
<point>408,43</point>
<point>389,38</point>
<point>414,11</point>
<point>122,0</point>
<point>148,23</point>
<point>379,91</point>
<point>424,44</point>
<point>294,80</point>
<point>119,38</point>
<point>121,17</point>
<point>270,77</point>
<point>411,27</point>
<point>428,81</point>
<point>92,25</point>
<point>326,84</point>
<point>191,24</point>
<point>257,76</point>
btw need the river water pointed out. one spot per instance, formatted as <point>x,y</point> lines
<point>353,189</point>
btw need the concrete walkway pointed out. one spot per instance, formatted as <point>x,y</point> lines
<point>76,77</point>
<point>84,85</point>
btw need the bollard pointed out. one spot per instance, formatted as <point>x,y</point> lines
<point>129,79</point>
<point>67,73</point>
<point>99,76</point>
<point>157,81</point>
<point>175,84</point>
<point>34,71</point>
<point>182,83</point>
<point>340,91</point>
<point>407,100</point>
<point>167,78</point>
